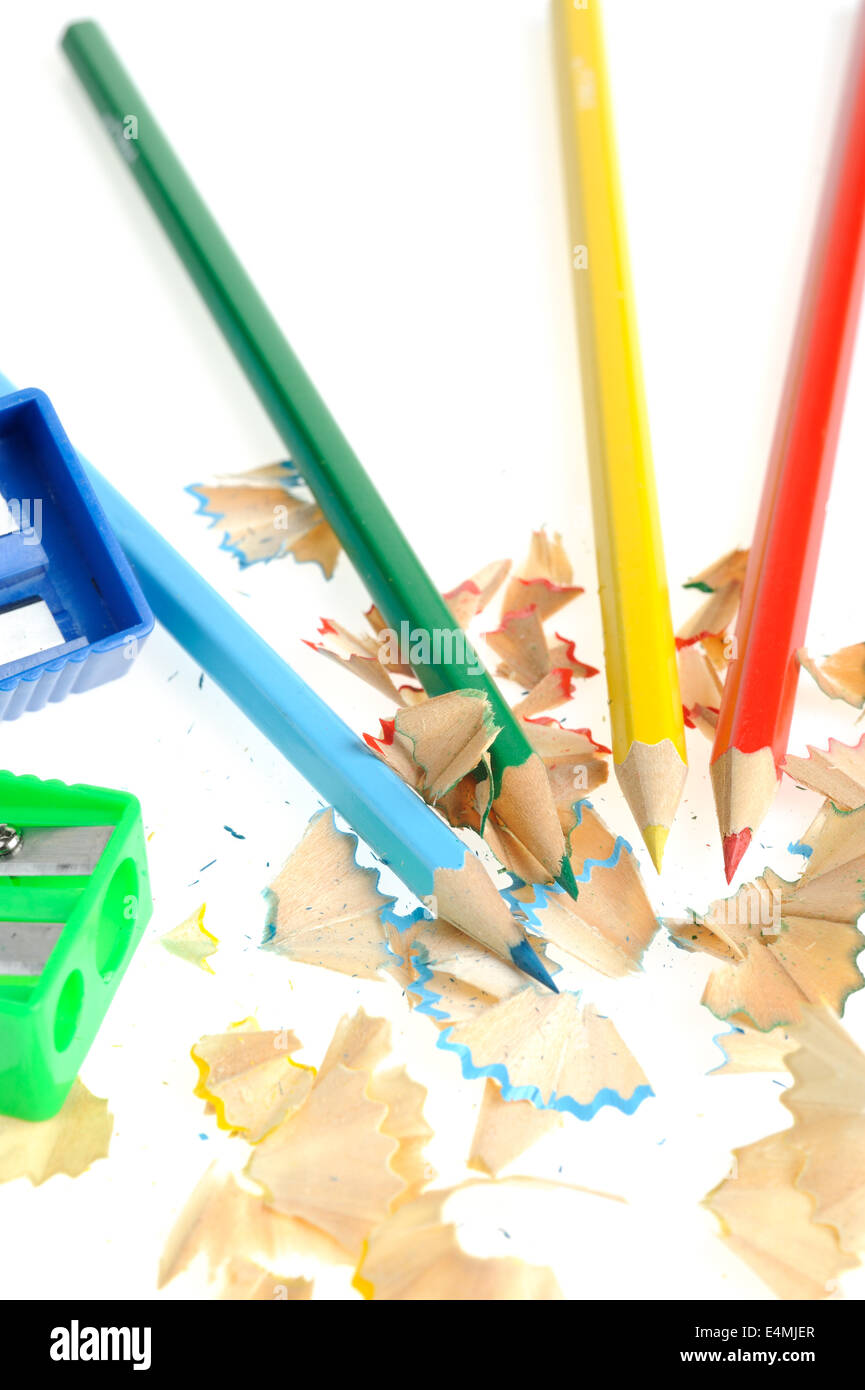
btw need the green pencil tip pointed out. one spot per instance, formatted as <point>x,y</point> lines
<point>525,959</point>
<point>565,879</point>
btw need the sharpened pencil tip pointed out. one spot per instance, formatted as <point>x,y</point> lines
<point>525,959</point>
<point>565,878</point>
<point>734,848</point>
<point>655,837</point>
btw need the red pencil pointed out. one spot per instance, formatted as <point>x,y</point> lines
<point>757,703</point>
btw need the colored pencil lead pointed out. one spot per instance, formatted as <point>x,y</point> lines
<point>735,847</point>
<point>525,959</point>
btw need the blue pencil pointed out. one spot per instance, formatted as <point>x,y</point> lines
<point>421,849</point>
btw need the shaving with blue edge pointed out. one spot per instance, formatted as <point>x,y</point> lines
<point>266,514</point>
<point>565,1058</point>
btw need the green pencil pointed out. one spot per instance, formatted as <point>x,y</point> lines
<point>397,581</point>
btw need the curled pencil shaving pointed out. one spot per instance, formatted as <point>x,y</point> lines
<point>264,518</point>
<point>555,689</point>
<point>395,652</point>
<point>828,1070</point>
<point>837,772</point>
<point>546,668</point>
<point>612,899</point>
<point>69,1143</point>
<point>730,567</point>
<point>539,588</point>
<point>451,978</point>
<point>769,1223</point>
<point>541,594</point>
<point>456,978</point>
<point>397,753</point>
<point>359,1043</point>
<point>359,1149</point>
<point>330,1164</point>
<point>224,1220</point>
<point>612,913</point>
<point>700,684</point>
<point>220,1220</point>
<point>398,934</point>
<point>596,929</point>
<point>544,579</point>
<point>528,657</point>
<point>575,762</point>
<point>563,657</point>
<point>471,597</point>
<point>841,676</point>
<point>610,924</point>
<point>324,909</point>
<point>250,1078</point>
<point>786,944</point>
<point>505,1130</point>
<point>191,941</point>
<point>244,1280</point>
<point>703,644</point>
<point>704,719</point>
<point>522,648</point>
<point>422,743</point>
<point>446,738</point>
<point>364,657</point>
<point>793,1206</point>
<point>552,1051</point>
<point>452,769</point>
<point>416,1254</point>
<point>722,581</point>
<point>343,1160</point>
<point>468,805</point>
<point>512,853</point>
<point>405,1122</point>
<point>827,1101</point>
<point>748,1050</point>
<point>392,654</point>
<point>566,1058</point>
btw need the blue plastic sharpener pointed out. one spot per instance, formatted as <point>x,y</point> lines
<point>72,615</point>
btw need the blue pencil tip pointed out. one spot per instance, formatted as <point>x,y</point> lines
<point>525,959</point>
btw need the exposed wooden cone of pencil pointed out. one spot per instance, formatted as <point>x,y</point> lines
<point>744,785</point>
<point>652,779</point>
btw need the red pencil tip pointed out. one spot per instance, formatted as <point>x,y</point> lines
<point>734,848</point>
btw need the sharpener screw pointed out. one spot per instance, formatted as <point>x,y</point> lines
<point>10,840</point>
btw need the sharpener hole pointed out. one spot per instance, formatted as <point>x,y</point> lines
<point>68,1010</point>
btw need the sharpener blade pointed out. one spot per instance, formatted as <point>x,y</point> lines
<point>26,946</point>
<point>56,849</point>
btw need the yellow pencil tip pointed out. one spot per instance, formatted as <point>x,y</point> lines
<point>655,837</point>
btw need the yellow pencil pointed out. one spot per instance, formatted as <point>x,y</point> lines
<point>645,706</point>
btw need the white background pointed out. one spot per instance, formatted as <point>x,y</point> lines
<point>390,174</point>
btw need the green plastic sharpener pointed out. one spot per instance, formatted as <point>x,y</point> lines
<point>74,902</point>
